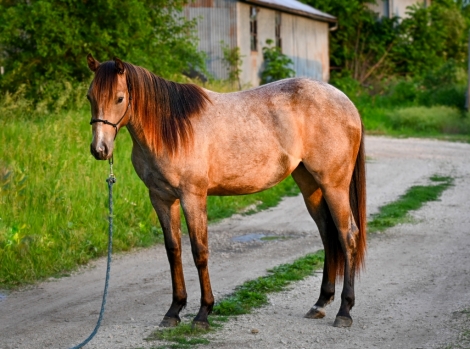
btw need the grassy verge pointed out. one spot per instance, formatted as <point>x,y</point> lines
<point>397,212</point>
<point>463,339</point>
<point>53,199</point>
<point>254,293</point>
<point>440,122</point>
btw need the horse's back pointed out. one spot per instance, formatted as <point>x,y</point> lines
<point>259,136</point>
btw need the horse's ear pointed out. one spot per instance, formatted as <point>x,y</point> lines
<point>119,66</point>
<point>93,64</point>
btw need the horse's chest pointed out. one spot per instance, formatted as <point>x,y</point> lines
<point>151,174</point>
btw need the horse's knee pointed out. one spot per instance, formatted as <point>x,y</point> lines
<point>173,251</point>
<point>201,256</point>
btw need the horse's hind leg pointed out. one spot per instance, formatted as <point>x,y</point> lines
<point>337,198</point>
<point>318,209</point>
<point>169,215</point>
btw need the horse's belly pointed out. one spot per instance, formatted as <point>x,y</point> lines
<point>240,180</point>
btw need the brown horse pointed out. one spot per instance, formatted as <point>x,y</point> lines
<point>189,143</point>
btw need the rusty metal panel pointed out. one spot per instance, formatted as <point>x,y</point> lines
<point>215,24</point>
<point>243,41</point>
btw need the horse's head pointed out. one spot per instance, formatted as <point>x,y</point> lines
<point>110,99</point>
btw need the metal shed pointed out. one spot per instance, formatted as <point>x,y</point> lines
<point>299,30</point>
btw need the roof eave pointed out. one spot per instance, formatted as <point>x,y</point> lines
<point>332,20</point>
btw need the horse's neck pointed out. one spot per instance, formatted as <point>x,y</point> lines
<point>138,139</point>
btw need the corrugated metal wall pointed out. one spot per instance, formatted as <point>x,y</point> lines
<point>215,24</point>
<point>304,40</point>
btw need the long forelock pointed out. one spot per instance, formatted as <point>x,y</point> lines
<point>105,83</point>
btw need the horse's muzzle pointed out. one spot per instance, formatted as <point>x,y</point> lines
<point>100,151</point>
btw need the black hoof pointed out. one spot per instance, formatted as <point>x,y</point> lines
<point>315,313</point>
<point>343,321</point>
<point>169,322</point>
<point>200,325</point>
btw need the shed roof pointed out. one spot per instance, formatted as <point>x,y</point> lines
<point>294,7</point>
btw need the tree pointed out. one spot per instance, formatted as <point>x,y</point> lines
<point>367,47</point>
<point>430,37</point>
<point>44,41</point>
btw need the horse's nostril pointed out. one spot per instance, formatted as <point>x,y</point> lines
<point>103,150</point>
<point>99,151</point>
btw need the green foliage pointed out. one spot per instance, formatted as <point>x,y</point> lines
<point>431,36</point>
<point>253,294</point>
<point>370,49</point>
<point>46,42</point>
<point>58,96</point>
<point>277,65</point>
<point>397,212</point>
<point>439,119</point>
<point>233,60</point>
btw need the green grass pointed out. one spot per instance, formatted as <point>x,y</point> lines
<point>253,294</point>
<point>397,212</point>
<point>440,122</point>
<point>463,339</point>
<point>184,336</point>
<point>53,198</point>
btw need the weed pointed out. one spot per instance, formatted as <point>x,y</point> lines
<point>184,336</point>
<point>397,212</point>
<point>253,294</point>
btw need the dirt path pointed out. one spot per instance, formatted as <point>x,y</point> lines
<point>416,283</point>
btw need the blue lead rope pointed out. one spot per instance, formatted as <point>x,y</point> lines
<point>111,180</point>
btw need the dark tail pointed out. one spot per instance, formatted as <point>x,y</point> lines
<point>357,199</point>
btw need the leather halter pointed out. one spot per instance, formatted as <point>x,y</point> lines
<point>106,122</point>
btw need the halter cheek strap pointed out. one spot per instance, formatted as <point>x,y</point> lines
<point>106,122</point>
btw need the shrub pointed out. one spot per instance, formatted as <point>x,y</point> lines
<point>277,65</point>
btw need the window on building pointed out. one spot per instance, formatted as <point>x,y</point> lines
<point>386,5</point>
<point>253,28</point>
<point>277,28</point>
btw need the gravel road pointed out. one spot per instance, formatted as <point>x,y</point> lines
<point>412,294</point>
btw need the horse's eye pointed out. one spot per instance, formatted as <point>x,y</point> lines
<point>88,97</point>
<point>120,99</point>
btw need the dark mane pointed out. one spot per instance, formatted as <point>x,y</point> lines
<point>161,109</point>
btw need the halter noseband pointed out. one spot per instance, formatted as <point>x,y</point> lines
<point>106,122</point>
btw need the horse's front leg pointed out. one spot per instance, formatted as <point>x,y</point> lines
<point>194,207</point>
<point>168,212</point>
